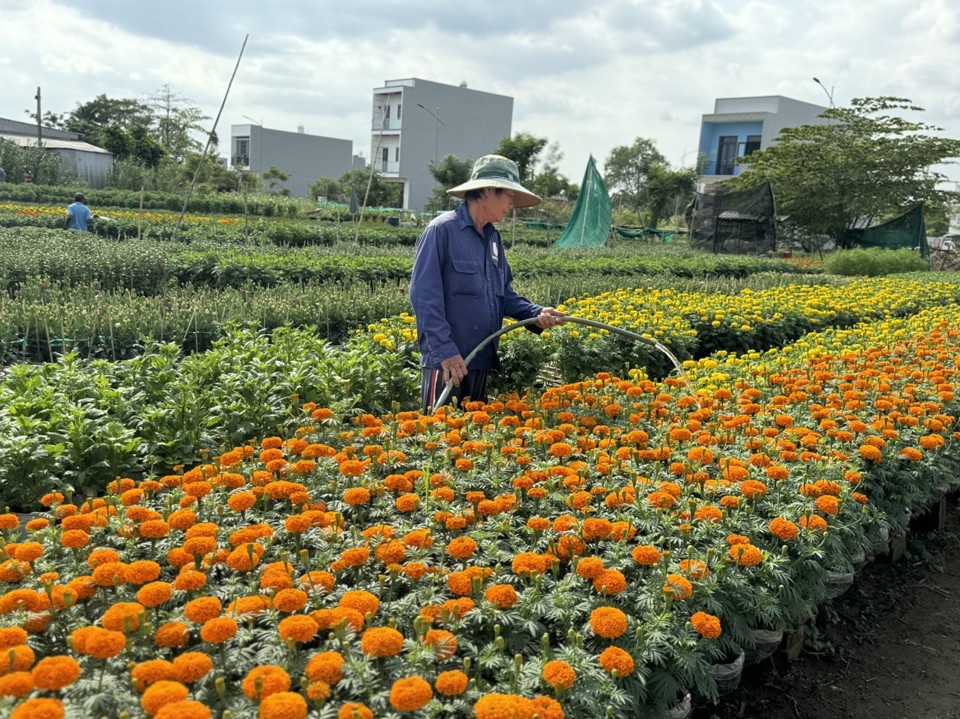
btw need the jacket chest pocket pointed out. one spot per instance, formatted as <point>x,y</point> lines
<point>466,279</point>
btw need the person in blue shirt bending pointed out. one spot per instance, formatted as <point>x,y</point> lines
<point>78,214</point>
<point>461,287</point>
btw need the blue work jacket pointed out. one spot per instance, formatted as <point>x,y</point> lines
<point>461,288</point>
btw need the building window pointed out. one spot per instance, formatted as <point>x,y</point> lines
<point>398,112</point>
<point>386,159</point>
<point>753,144</point>
<point>386,114</point>
<point>726,154</point>
<point>241,151</point>
<point>396,155</point>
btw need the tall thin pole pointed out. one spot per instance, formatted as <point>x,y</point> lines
<point>206,147</point>
<point>39,125</point>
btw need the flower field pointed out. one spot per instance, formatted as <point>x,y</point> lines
<point>586,551</point>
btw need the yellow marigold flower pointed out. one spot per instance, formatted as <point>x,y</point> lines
<point>615,659</point>
<point>452,683</point>
<point>608,622</point>
<point>410,694</point>
<point>706,625</point>
<point>559,674</point>
<point>264,680</point>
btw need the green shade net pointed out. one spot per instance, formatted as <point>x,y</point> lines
<point>589,226</point>
<point>908,230</point>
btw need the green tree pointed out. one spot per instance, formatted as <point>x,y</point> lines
<point>549,182</point>
<point>176,123</point>
<point>866,161</point>
<point>524,150</point>
<point>135,143</point>
<point>627,172</point>
<point>382,193</point>
<point>212,174</point>
<point>449,172</point>
<point>668,192</point>
<point>275,176</point>
<point>90,118</point>
<point>326,187</point>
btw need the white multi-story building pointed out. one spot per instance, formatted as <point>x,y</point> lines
<point>739,126</point>
<point>416,122</point>
<point>304,157</point>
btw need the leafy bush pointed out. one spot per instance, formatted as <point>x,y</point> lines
<point>874,262</point>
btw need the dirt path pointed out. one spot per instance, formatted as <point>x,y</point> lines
<point>888,649</point>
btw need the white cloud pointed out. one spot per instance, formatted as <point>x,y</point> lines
<point>589,76</point>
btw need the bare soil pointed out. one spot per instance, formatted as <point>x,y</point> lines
<point>889,648</point>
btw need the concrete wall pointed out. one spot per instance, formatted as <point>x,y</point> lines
<point>471,123</point>
<point>304,157</point>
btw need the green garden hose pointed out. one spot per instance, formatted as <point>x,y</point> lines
<point>567,318</point>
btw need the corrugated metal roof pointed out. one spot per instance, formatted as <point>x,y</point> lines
<point>51,144</point>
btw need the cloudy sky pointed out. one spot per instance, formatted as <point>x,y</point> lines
<point>587,75</point>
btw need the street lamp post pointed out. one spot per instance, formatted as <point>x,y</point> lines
<point>829,93</point>
<point>259,142</point>
<point>436,137</point>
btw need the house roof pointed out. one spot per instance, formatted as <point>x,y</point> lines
<point>51,144</point>
<point>736,117</point>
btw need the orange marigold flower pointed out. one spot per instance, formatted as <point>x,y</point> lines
<point>161,693</point>
<point>12,636</point>
<point>152,671</point>
<point>202,609</point>
<point>827,504</point>
<point>290,600</point>
<point>870,453</point>
<point>219,630</point>
<point>615,659</point>
<point>452,683</point>
<point>610,581</point>
<point>646,555</point>
<point>381,642</point>
<point>363,602</point>
<point>55,672</point>
<point>746,555</point>
<point>241,501</point>
<point>502,596</point>
<point>16,659</point>
<point>123,617</point>
<point>410,694</point>
<point>355,556</point>
<point>561,449</point>
<point>264,680</point>
<point>74,538</point>
<point>318,691</point>
<point>461,547</point>
<point>325,667</point>
<point>16,684</point>
<point>814,522</point>
<point>783,529</point>
<point>501,706</point>
<point>590,567</point>
<point>608,622</point>
<point>355,496</point>
<point>751,488</point>
<point>444,643</point>
<point>706,625</point>
<point>298,627</point>
<point>188,709</point>
<point>559,674</point>
<point>171,634</point>
<point>192,666</point>
<point>142,572</point>
<point>42,708</point>
<point>678,586</point>
<point>354,710</point>
<point>695,568</point>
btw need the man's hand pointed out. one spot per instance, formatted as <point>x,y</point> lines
<point>550,317</point>
<point>454,369</point>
